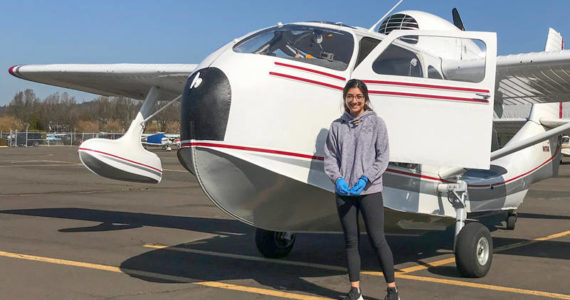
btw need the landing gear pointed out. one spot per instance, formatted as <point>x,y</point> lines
<point>511,220</point>
<point>273,244</point>
<point>473,245</point>
<point>474,250</point>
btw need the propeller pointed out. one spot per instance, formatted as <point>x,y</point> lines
<point>457,19</point>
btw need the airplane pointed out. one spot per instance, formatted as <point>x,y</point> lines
<point>161,140</point>
<point>255,115</point>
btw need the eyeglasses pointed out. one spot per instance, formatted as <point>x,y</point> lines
<point>358,97</point>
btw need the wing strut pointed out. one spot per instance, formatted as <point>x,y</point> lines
<point>162,108</point>
<point>530,141</point>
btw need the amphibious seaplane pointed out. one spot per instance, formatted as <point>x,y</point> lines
<point>255,115</point>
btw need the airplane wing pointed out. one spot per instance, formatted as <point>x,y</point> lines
<point>129,80</point>
<point>533,78</point>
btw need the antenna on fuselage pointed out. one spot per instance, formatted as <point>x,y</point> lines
<point>457,19</point>
<point>376,24</point>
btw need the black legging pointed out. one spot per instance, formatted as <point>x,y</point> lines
<point>372,208</point>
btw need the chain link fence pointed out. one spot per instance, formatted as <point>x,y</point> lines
<point>35,138</point>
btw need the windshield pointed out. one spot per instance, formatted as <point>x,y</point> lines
<point>314,45</point>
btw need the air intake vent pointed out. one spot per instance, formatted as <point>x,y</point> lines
<point>400,22</point>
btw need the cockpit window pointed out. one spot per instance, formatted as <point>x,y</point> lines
<point>314,45</point>
<point>367,44</point>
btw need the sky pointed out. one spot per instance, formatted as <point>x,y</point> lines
<point>168,31</point>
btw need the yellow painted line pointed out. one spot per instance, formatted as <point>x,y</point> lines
<point>553,236</point>
<point>428,265</point>
<point>260,259</point>
<point>526,243</point>
<point>61,262</point>
<point>450,260</point>
<point>267,291</point>
<point>114,269</point>
<point>400,275</point>
<point>373,273</point>
<point>250,258</point>
<point>484,286</point>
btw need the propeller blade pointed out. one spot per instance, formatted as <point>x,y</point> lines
<point>457,19</point>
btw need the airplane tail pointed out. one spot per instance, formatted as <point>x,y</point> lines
<point>531,155</point>
<point>540,160</point>
<point>554,42</point>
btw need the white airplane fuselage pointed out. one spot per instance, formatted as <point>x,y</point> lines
<point>253,128</point>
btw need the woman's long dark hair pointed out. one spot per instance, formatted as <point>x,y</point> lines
<point>356,83</point>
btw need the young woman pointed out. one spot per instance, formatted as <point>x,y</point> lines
<point>356,156</point>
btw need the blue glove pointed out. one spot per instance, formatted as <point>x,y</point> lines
<point>342,187</point>
<point>359,186</point>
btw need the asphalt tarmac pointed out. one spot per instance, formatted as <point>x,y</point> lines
<point>69,234</point>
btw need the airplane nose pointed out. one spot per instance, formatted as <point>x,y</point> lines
<point>205,106</point>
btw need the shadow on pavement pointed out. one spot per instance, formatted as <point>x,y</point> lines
<point>135,220</point>
<point>542,216</point>
<point>234,237</point>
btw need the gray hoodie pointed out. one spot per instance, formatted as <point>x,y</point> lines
<point>355,147</point>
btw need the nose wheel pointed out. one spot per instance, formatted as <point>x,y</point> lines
<point>511,220</point>
<point>273,244</point>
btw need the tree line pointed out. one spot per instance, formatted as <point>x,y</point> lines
<point>61,113</point>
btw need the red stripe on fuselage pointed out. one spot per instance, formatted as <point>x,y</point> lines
<point>416,175</point>
<point>442,87</point>
<point>306,80</point>
<point>286,153</point>
<point>381,92</point>
<point>311,70</point>
<point>517,177</point>
<point>428,96</point>
<point>213,145</point>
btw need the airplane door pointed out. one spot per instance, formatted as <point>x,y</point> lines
<point>435,91</point>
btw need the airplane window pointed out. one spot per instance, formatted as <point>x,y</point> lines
<point>434,73</point>
<point>367,44</point>
<point>314,45</point>
<point>453,58</point>
<point>396,60</point>
<point>446,58</point>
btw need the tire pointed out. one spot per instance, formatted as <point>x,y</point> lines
<point>511,222</point>
<point>272,244</point>
<point>474,250</point>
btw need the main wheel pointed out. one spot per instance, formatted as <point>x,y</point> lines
<point>274,244</point>
<point>474,250</point>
